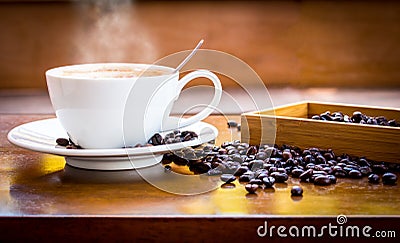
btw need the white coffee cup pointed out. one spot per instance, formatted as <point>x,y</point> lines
<point>113,105</point>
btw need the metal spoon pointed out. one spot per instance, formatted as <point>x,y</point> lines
<point>188,57</point>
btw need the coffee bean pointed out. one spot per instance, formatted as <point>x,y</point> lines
<point>268,181</point>
<point>156,139</point>
<point>62,141</point>
<point>356,117</point>
<point>261,176</point>
<point>296,191</point>
<point>340,174</point>
<point>232,123</point>
<point>251,188</point>
<point>392,123</point>
<point>373,178</point>
<point>272,169</point>
<point>306,174</point>
<point>214,172</point>
<point>365,170</point>
<point>189,134</point>
<point>256,181</point>
<point>309,159</point>
<point>389,178</point>
<point>222,151</point>
<point>241,170</point>
<point>252,150</point>
<point>280,177</point>
<point>228,178</point>
<point>179,160</point>
<point>319,172</point>
<point>322,180</point>
<point>329,156</point>
<point>261,155</point>
<point>199,168</point>
<point>286,155</point>
<point>237,158</point>
<point>246,177</point>
<point>167,158</point>
<point>297,172</point>
<point>320,159</point>
<point>332,178</point>
<point>363,162</point>
<point>167,168</point>
<point>256,164</point>
<point>355,174</point>
<point>282,170</point>
<point>325,117</point>
<point>379,169</point>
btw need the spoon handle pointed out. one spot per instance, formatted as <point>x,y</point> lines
<point>189,56</point>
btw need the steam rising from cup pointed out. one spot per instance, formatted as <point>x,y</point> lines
<point>111,32</point>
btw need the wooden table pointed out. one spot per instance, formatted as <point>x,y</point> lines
<point>41,198</point>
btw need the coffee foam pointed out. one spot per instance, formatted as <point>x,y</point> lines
<point>114,72</point>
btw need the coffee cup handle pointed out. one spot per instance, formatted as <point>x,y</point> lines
<point>214,102</point>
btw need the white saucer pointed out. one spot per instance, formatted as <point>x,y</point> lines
<point>41,136</point>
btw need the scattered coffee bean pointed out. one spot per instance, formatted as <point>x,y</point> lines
<point>62,142</point>
<point>67,143</point>
<point>228,178</point>
<point>297,172</point>
<point>167,168</point>
<point>246,177</point>
<point>322,180</point>
<point>199,167</point>
<point>156,139</point>
<point>389,178</point>
<point>251,188</point>
<point>332,178</point>
<point>306,174</point>
<point>252,150</point>
<point>241,170</point>
<point>256,181</point>
<point>296,191</point>
<point>232,123</point>
<point>268,181</point>
<point>373,178</point>
<point>280,177</point>
<point>355,174</point>
<point>262,175</point>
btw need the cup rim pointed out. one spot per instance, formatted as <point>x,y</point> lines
<point>55,72</point>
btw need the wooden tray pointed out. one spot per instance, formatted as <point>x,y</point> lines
<point>294,126</point>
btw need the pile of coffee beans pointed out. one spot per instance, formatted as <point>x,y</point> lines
<point>173,137</point>
<point>263,166</point>
<point>176,136</point>
<point>356,117</point>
